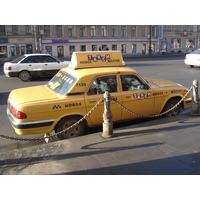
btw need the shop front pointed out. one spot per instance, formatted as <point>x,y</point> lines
<point>3,47</point>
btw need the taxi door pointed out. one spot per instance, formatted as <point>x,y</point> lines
<point>136,96</point>
<point>96,91</point>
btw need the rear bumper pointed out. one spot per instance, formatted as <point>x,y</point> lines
<point>24,128</point>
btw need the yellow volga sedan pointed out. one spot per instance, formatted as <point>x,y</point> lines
<point>75,90</point>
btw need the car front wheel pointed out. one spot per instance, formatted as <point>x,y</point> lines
<point>170,104</point>
<point>24,76</point>
<point>66,123</point>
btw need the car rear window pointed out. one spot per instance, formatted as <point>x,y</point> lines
<point>18,59</point>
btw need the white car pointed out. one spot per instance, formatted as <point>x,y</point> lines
<point>33,65</point>
<point>193,59</point>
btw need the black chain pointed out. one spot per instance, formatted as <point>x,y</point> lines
<point>21,139</point>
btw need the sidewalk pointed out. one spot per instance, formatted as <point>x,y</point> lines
<point>164,146</point>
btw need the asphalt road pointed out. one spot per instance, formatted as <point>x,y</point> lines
<point>169,68</point>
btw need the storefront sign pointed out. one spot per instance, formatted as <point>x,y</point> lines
<point>60,41</point>
<point>95,40</point>
<point>183,33</point>
<point>4,40</point>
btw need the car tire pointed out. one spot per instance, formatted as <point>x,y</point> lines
<point>24,76</point>
<point>191,66</point>
<point>171,103</point>
<point>67,122</point>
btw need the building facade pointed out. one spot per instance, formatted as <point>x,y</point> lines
<point>16,40</point>
<point>180,38</point>
<point>63,40</point>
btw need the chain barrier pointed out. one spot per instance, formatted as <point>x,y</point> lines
<point>55,134</point>
<point>158,115</point>
<point>84,117</point>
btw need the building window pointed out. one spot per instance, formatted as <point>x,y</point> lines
<point>123,31</point>
<point>93,31</point>
<point>15,30</point>
<point>46,31</point>
<point>71,49</point>
<point>2,29</point>
<point>134,48</point>
<point>60,50</point>
<point>190,43</point>
<point>134,31</point>
<point>59,32</point>
<point>3,51</point>
<point>49,49</point>
<point>12,50</point>
<point>114,31</point>
<point>186,28</point>
<point>27,29</point>
<point>144,31</point>
<point>178,28</point>
<point>83,48</point>
<point>71,31</point>
<point>94,47</point>
<point>114,47</point>
<point>175,43</point>
<point>103,31</point>
<point>82,31</point>
<point>167,27</point>
<point>123,48</point>
<point>153,31</point>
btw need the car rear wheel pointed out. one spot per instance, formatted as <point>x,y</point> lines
<point>191,65</point>
<point>67,122</point>
<point>171,103</point>
<point>24,76</point>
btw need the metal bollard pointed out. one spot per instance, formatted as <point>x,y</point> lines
<point>195,99</point>
<point>107,117</point>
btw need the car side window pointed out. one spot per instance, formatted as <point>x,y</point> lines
<point>131,82</point>
<point>47,59</point>
<point>103,84</point>
<point>32,59</point>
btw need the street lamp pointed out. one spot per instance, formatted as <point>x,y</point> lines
<point>150,52</point>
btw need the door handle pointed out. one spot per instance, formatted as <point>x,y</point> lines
<point>92,101</point>
<point>129,96</point>
<point>46,64</point>
<point>29,65</point>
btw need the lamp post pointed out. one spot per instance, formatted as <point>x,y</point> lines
<point>150,52</point>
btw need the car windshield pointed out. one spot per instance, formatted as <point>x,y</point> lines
<point>17,59</point>
<point>61,83</point>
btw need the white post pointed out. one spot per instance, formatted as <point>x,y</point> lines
<point>107,117</point>
<point>195,100</point>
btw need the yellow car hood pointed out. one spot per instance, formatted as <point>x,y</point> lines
<point>31,94</point>
<point>157,83</point>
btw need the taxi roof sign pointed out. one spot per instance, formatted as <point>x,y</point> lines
<point>90,59</point>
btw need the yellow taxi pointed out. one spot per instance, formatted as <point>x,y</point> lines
<point>75,90</point>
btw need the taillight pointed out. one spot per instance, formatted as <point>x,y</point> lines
<point>8,68</point>
<point>17,114</point>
